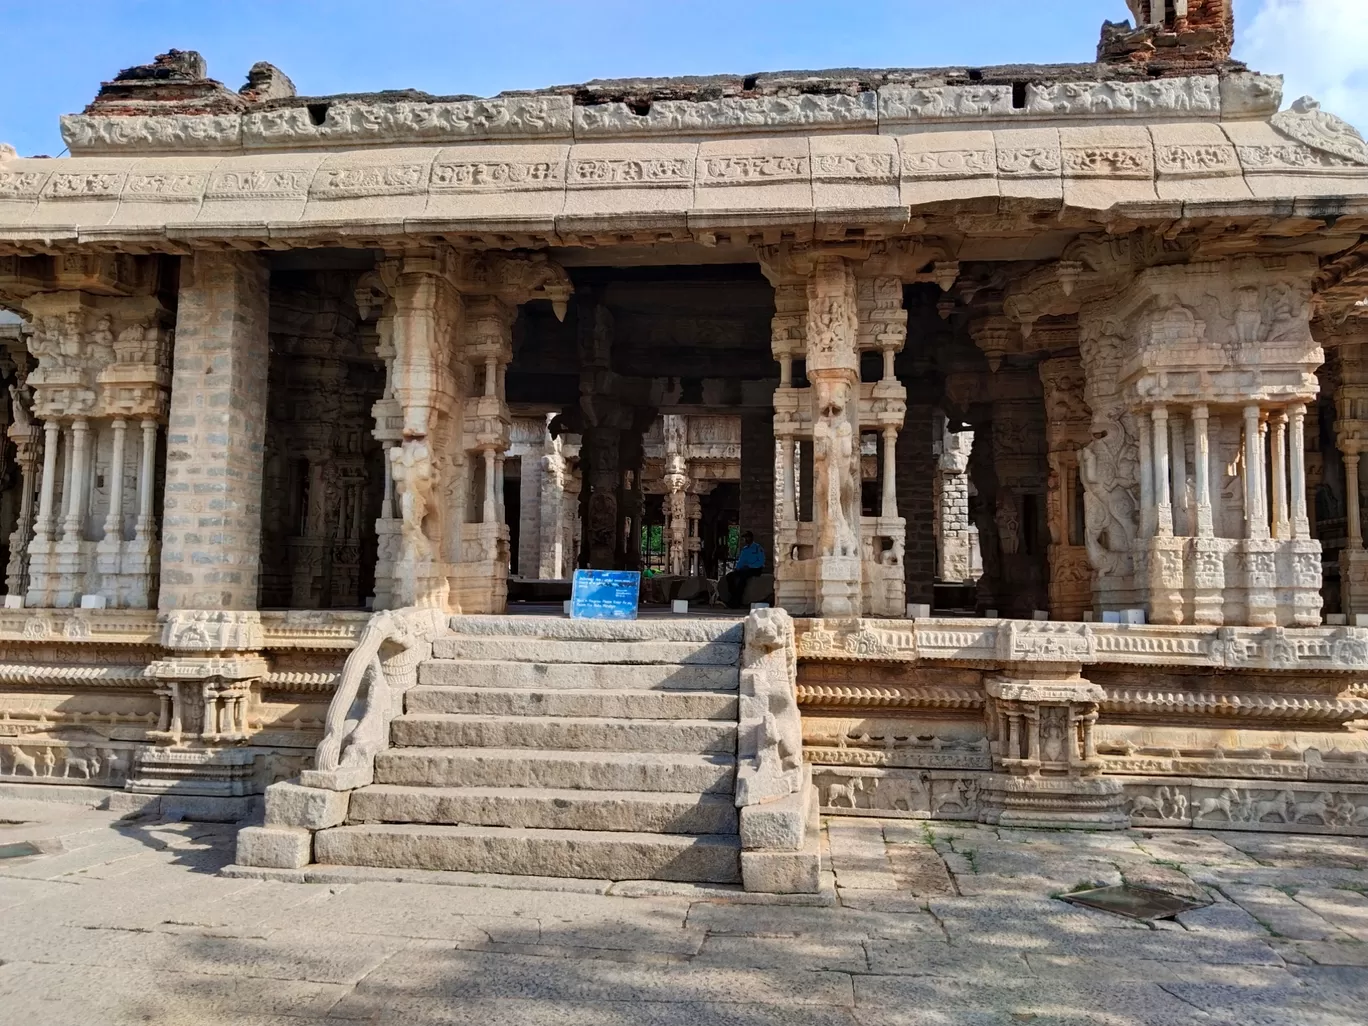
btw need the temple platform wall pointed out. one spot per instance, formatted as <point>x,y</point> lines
<point>1217,728</point>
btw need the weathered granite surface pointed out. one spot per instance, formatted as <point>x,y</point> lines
<point>126,922</point>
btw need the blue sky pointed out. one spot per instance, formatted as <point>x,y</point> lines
<point>54,55</point>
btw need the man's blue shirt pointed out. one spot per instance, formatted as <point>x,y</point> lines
<point>752,557</point>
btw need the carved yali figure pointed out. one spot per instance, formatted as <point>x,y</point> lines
<point>1321,130</point>
<point>359,713</point>
<point>770,743</point>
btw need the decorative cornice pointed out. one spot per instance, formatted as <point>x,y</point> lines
<point>997,642</point>
<point>351,122</point>
<point>1321,130</point>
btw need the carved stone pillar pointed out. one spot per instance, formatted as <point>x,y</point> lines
<point>573,528</point>
<point>676,482</point>
<point>833,367</point>
<point>100,334</point>
<point>373,299</point>
<point>484,554</point>
<point>694,510</point>
<point>27,437</point>
<point>552,555</point>
<point>448,317</point>
<point>1066,428</point>
<point>953,538</point>
<point>831,305</point>
<point>883,329</point>
<point>1208,567</point>
<point>1351,438</point>
<point>793,555</point>
<point>423,313</point>
<point>1231,337</point>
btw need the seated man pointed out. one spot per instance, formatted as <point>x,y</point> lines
<point>750,562</point>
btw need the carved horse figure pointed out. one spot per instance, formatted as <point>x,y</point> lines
<point>1227,801</point>
<point>1278,806</point>
<point>849,791</point>
<point>22,758</point>
<point>1318,808</point>
<point>1150,808</point>
<point>71,761</point>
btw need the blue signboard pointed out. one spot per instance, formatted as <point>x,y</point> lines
<point>605,594</point>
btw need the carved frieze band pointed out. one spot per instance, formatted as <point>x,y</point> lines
<point>351,123</point>
<point>1320,649</point>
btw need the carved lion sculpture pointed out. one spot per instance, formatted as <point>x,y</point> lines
<point>770,746</point>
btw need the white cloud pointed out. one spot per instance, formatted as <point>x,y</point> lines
<point>1321,46</point>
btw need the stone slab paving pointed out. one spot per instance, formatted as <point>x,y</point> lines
<point>129,921</point>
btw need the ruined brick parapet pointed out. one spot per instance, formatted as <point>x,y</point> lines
<point>1182,37</point>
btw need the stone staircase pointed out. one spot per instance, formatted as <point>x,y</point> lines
<point>551,747</point>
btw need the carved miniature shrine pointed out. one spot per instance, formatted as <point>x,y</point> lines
<point>1042,389</point>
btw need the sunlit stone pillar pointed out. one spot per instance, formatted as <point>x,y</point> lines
<point>1148,517</point>
<point>1208,572</point>
<point>1163,507</point>
<point>1201,466</point>
<point>146,480</point>
<point>1182,516</point>
<point>113,525</point>
<point>1278,464</point>
<point>1256,517</point>
<point>889,507</point>
<point>1301,526</point>
<point>43,525</point>
<point>833,367</point>
<point>1351,499</point>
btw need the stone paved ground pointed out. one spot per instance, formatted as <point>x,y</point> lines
<point>129,922</point>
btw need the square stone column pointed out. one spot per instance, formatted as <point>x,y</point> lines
<point>212,524</point>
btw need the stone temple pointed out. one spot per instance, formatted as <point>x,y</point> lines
<point>1043,389</point>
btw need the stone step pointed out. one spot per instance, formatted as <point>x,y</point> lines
<point>521,767</point>
<point>588,854</point>
<point>547,808</point>
<point>472,673</point>
<point>568,733</point>
<point>697,629</point>
<point>544,650</point>
<point>648,705</point>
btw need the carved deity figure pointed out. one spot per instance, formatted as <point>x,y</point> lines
<point>1285,312</point>
<point>411,467</point>
<point>19,408</point>
<point>1008,520</point>
<point>1248,317</point>
<point>43,343</point>
<point>833,434</point>
<point>70,344</point>
<point>102,340</point>
<point>1109,508</point>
